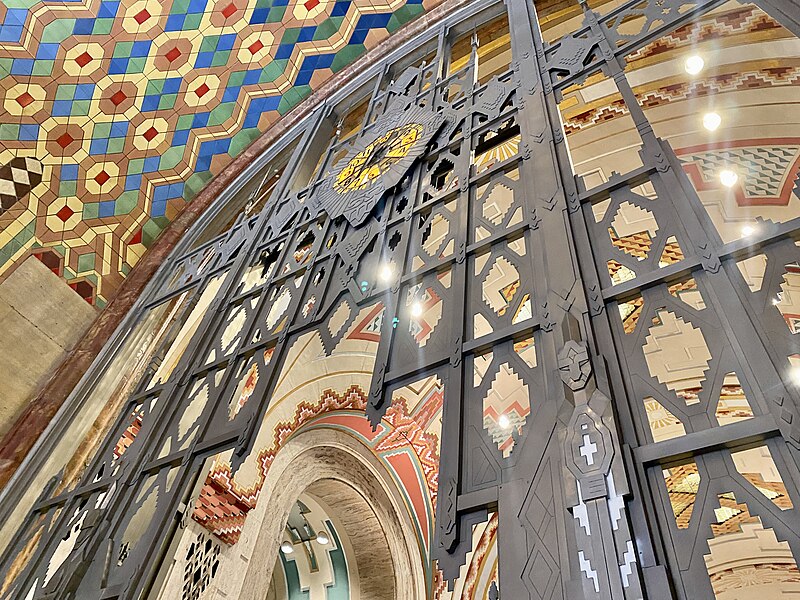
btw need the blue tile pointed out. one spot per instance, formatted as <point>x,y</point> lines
<point>259,16</point>
<point>47,51</point>
<point>69,172</point>
<point>83,26</point>
<point>133,182</point>
<point>28,132</point>
<point>98,146</point>
<point>150,103</point>
<point>226,41</point>
<point>119,129</point>
<point>151,164</point>
<point>180,138</point>
<point>284,51</point>
<point>203,60</point>
<point>62,108</point>
<point>118,66</point>
<point>340,9</point>
<point>251,77</point>
<point>200,120</point>
<point>174,23</point>
<point>306,34</point>
<point>106,209</point>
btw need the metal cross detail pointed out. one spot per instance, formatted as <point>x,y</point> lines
<point>588,449</point>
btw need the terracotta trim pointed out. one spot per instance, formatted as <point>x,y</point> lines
<point>34,420</point>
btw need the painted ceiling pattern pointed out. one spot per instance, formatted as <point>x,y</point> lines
<point>115,113</point>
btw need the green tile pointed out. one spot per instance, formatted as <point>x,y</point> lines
<point>290,35</point>
<point>167,101</point>
<point>103,26</point>
<point>276,14</point>
<point>135,166</point>
<point>86,262</point>
<point>327,28</point>
<point>9,132</point>
<point>68,188</point>
<point>65,91</point>
<point>91,210</point>
<point>184,122</point>
<point>236,78</point>
<point>57,31</point>
<point>195,183</point>
<point>220,58</point>
<point>80,107</point>
<point>192,21</point>
<point>221,113</point>
<point>115,145</point>
<point>5,66</point>
<point>179,7</point>
<point>154,86</point>
<point>273,70</point>
<point>136,65</point>
<point>101,131</point>
<point>347,55</point>
<point>242,140</point>
<point>171,158</point>
<point>150,231</point>
<point>209,43</point>
<point>126,202</point>
<point>42,68</point>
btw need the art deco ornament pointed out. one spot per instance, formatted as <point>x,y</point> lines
<point>378,162</point>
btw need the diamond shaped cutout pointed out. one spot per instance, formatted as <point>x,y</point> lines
<point>632,230</point>
<point>500,285</point>
<point>506,408</point>
<point>497,203</point>
<point>677,355</point>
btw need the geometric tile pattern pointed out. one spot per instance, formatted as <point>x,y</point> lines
<point>132,107</point>
<point>763,169</point>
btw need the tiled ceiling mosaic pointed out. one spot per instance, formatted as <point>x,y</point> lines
<point>114,114</point>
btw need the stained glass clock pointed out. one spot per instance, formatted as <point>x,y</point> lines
<point>378,162</point>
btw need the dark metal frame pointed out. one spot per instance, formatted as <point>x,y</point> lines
<point>589,376</point>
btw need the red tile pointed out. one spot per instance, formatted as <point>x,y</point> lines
<point>84,59</point>
<point>149,134</point>
<point>141,16</point>
<point>65,213</point>
<point>137,238</point>
<point>24,99</point>
<point>65,139</point>
<point>202,90</point>
<point>118,98</point>
<point>228,11</point>
<point>102,177</point>
<point>173,54</point>
<point>255,46</point>
<point>309,4</point>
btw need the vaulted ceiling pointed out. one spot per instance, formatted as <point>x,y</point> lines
<point>114,114</point>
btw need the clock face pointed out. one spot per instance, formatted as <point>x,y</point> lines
<point>378,161</point>
<point>366,166</point>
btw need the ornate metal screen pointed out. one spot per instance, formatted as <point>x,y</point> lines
<point>615,352</point>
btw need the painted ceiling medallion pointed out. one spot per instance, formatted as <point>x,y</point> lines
<point>378,162</point>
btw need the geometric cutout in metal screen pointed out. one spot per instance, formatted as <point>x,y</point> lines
<point>500,285</point>
<point>788,301</point>
<point>733,405</point>
<point>677,355</point>
<point>506,408</point>
<point>757,466</point>
<point>682,483</point>
<point>632,230</point>
<point>688,293</point>
<point>663,424</point>
<point>746,560</point>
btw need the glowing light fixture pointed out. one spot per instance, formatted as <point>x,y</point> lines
<point>287,547</point>
<point>322,539</point>
<point>694,64</point>
<point>711,121</point>
<point>504,421</point>
<point>728,178</point>
<point>387,273</point>
<point>794,375</point>
<point>747,230</point>
<point>416,309</point>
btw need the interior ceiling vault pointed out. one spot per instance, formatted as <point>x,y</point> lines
<point>114,114</point>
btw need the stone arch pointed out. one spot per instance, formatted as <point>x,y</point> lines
<point>334,467</point>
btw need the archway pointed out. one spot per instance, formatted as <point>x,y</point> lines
<point>347,483</point>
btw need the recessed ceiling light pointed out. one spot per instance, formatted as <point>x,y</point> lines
<point>728,177</point>
<point>748,230</point>
<point>694,64</point>
<point>711,121</point>
<point>504,421</point>
<point>287,547</point>
<point>416,309</point>
<point>322,538</point>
